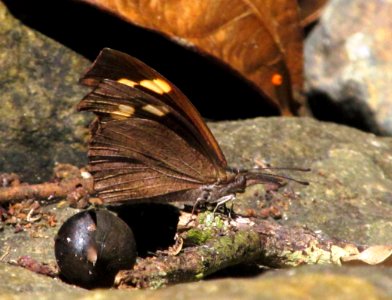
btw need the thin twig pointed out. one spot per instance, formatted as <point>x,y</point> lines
<point>45,190</point>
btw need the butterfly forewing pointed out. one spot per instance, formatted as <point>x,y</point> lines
<point>118,66</point>
<point>114,101</point>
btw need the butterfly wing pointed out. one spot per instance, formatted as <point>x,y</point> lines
<point>143,145</point>
<point>121,67</point>
<point>139,158</point>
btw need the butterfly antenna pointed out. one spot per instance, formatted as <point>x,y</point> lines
<point>260,167</point>
<point>290,178</point>
<point>284,168</point>
<point>268,177</point>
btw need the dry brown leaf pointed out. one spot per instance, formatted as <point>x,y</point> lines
<point>260,39</point>
<point>310,10</point>
<point>374,255</point>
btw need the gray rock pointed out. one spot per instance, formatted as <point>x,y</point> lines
<point>350,191</point>
<point>38,122</point>
<point>348,63</point>
<point>302,283</point>
<point>16,280</point>
<point>36,242</point>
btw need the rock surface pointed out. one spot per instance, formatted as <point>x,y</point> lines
<point>302,283</point>
<point>39,91</point>
<point>17,281</point>
<point>349,196</point>
<point>348,64</point>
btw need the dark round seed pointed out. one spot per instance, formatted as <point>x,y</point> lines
<point>92,246</point>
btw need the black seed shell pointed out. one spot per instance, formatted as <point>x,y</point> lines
<point>92,246</point>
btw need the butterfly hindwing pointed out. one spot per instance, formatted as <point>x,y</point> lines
<point>130,158</point>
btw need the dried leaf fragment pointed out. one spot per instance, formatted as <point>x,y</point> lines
<point>310,10</point>
<point>259,39</point>
<point>374,255</point>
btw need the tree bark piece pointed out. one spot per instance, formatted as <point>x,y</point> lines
<point>267,243</point>
<point>44,190</point>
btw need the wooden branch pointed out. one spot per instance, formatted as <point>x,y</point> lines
<point>44,190</point>
<point>193,263</point>
<point>284,246</point>
<point>267,243</point>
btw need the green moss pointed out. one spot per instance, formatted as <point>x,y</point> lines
<point>198,236</point>
<point>211,220</point>
<point>199,276</point>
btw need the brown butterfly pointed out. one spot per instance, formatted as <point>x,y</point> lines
<point>149,143</point>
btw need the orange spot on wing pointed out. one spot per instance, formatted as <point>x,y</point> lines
<point>165,86</point>
<point>152,86</point>
<point>127,82</point>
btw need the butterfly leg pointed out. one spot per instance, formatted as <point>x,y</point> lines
<point>201,199</point>
<point>223,200</point>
